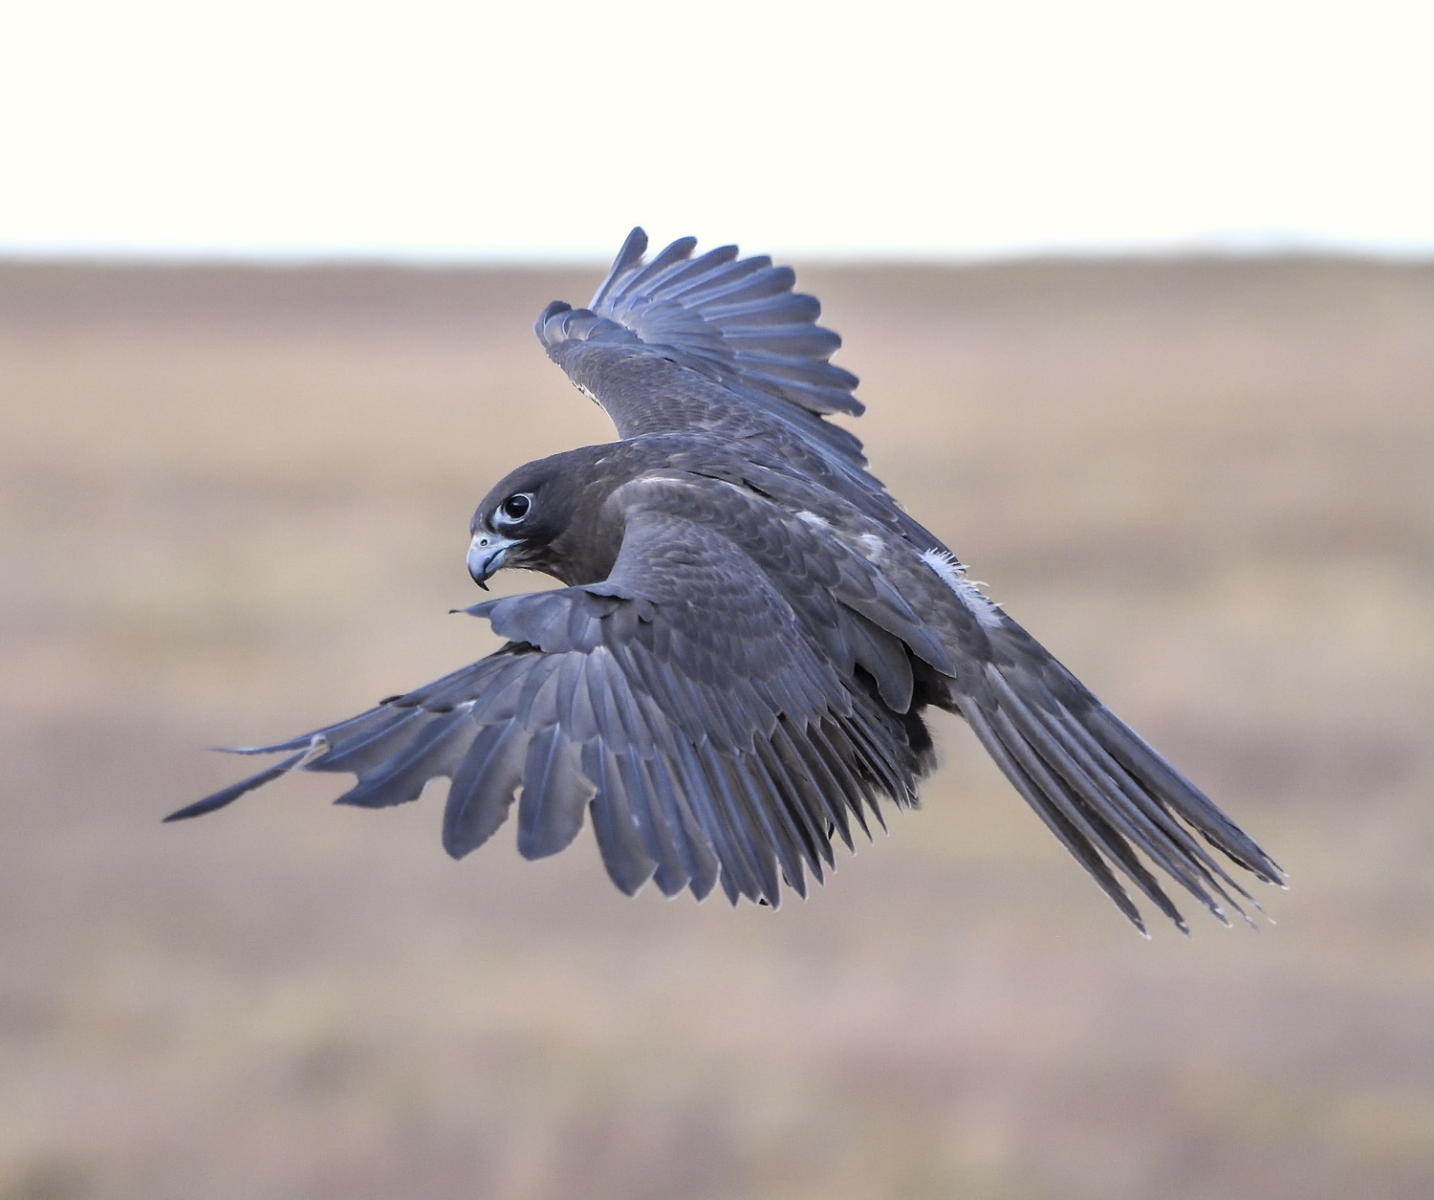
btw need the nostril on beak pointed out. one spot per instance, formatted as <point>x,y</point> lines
<point>486,553</point>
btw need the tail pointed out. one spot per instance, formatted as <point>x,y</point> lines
<point>1100,788</point>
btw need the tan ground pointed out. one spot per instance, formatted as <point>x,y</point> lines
<point>235,505</point>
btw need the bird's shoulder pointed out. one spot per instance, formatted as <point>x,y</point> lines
<point>707,520</point>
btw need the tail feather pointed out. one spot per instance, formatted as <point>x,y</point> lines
<point>1113,802</point>
<point>1010,756</point>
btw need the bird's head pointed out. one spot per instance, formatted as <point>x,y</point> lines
<point>542,517</point>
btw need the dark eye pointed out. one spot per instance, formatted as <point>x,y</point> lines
<point>514,508</point>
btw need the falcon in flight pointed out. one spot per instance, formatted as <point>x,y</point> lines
<point>749,630</point>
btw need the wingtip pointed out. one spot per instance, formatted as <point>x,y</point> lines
<point>189,810</point>
<point>634,246</point>
<point>210,803</point>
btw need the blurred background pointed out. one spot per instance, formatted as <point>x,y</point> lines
<point>1142,301</point>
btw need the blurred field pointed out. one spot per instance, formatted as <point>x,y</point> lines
<point>235,505</point>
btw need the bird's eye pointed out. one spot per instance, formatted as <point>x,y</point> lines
<point>514,509</point>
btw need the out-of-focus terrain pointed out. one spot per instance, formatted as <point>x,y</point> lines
<point>233,505</point>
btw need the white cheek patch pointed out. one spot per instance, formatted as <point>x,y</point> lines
<point>953,574</point>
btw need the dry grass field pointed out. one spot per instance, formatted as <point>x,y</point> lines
<point>234,505</point>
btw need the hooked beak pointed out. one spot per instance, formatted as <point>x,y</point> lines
<point>486,553</point>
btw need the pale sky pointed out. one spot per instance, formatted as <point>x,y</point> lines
<point>546,130</point>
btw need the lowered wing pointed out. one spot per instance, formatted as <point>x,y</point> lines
<point>711,732</point>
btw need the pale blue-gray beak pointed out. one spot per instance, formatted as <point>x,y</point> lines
<point>486,553</point>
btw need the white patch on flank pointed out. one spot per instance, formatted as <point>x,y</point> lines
<point>811,518</point>
<point>875,548</point>
<point>953,574</point>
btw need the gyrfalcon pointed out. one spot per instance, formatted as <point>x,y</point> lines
<point>749,631</point>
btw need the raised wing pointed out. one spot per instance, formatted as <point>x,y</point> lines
<point>712,343</point>
<point>712,733</point>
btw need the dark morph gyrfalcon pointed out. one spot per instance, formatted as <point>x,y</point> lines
<point>749,633</point>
